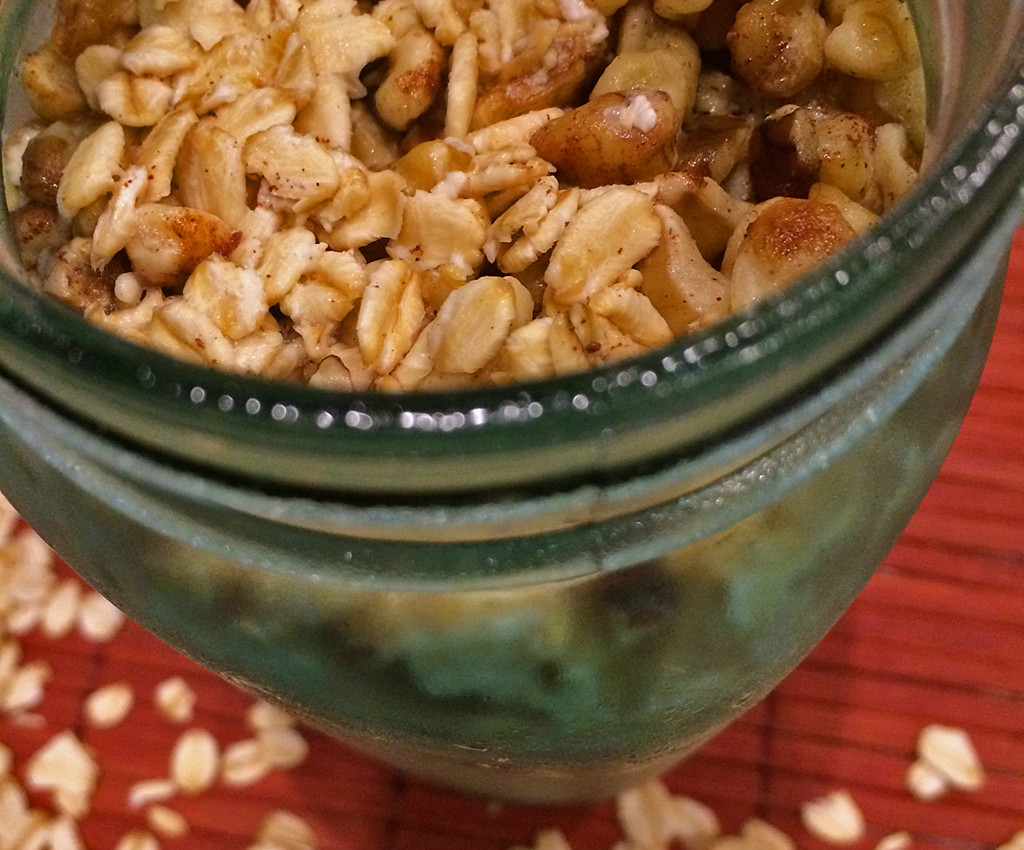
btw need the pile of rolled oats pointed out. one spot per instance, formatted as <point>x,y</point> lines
<point>431,193</point>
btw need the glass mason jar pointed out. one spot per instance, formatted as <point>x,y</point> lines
<point>544,591</point>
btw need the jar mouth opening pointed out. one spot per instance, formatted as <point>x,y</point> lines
<point>757,356</point>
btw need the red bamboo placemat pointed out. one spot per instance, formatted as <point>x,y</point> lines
<point>936,637</point>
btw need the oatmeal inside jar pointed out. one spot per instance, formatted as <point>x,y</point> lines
<point>423,194</point>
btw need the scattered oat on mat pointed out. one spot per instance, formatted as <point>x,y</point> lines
<point>553,839</point>
<point>950,753</point>
<point>138,839</point>
<point>18,820</point>
<point>925,782</point>
<point>65,767</point>
<point>262,715</point>
<point>64,835</point>
<point>946,759</point>
<point>109,705</point>
<point>284,830</point>
<point>757,834</point>
<point>167,822</point>
<point>23,687</point>
<point>650,816</point>
<point>99,620</point>
<point>895,841</point>
<point>283,747</point>
<point>1016,842</point>
<point>175,699</point>
<point>195,761</point>
<point>148,791</point>
<point>835,818</point>
<point>61,611</point>
<point>244,763</point>
<point>275,745</point>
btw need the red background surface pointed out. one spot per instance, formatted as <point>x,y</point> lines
<point>937,636</point>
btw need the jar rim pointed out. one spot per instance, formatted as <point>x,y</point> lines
<point>700,383</point>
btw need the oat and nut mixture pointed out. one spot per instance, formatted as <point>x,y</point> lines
<point>432,193</point>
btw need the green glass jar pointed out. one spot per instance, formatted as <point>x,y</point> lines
<point>546,591</point>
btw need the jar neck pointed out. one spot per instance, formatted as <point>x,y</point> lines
<point>596,526</point>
